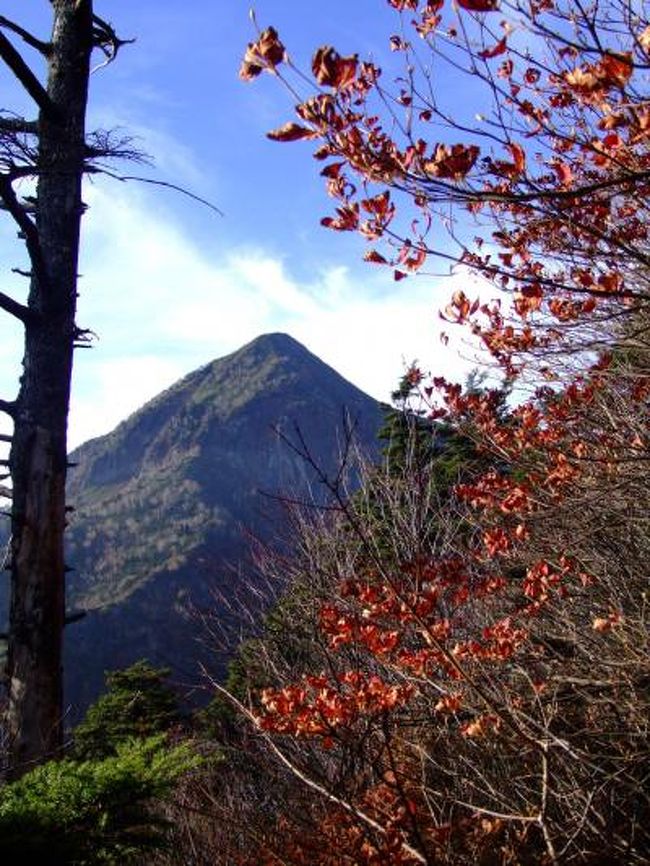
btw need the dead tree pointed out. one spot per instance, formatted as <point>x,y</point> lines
<point>53,150</point>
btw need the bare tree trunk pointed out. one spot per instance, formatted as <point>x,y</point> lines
<point>39,451</point>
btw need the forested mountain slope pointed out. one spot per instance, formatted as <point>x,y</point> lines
<point>165,505</point>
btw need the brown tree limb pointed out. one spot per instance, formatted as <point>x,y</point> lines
<point>8,406</point>
<point>18,125</point>
<point>163,183</point>
<point>35,711</point>
<point>26,36</point>
<point>106,39</point>
<point>306,780</point>
<point>72,617</point>
<point>25,75</point>
<point>25,224</point>
<point>14,308</point>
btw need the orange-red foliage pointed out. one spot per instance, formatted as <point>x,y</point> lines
<point>497,638</point>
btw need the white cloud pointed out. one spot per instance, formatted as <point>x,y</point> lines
<point>105,393</point>
<point>163,306</point>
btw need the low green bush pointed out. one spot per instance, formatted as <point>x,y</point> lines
<point>82,813</point>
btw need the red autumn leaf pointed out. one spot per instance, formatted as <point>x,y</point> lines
<point>610,282</point>
<point>323,152</point>
<point>332,70</point>
<point>495,51</point>
<point>412,259</point>
<point>374,257</point>
<point>616,70</point>
<point>291,132</point>
<point>479,5</point>
<point>333,170</point>
<point>563,172</point>
<point>270,47</point>
<point>589,305</point>
<point>460,308</point>
<point>583,78</point>
<point>528,299</point>
<point>379,205</point>
<point>612,140</point>
<point>506,69</point>
<point>452,162</point>
<point>511,169</point>
<point>604,624</point>
<point>249,68</point>
<point>532,75</point>
<point>460,301</point>
<point>592,78</point>
<point>266,53</point>
<point>449,703</point>
<point>347,219</point>
<point>519,157</point>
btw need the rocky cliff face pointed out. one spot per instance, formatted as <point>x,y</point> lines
<point>166,503</point>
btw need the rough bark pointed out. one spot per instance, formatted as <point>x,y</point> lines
<point>38,453</point>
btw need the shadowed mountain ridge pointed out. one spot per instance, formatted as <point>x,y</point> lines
<point>165,503</point>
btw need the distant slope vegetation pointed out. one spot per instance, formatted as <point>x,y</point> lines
<point>164,503</point>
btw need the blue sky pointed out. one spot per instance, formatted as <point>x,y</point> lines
<point>167,284</point>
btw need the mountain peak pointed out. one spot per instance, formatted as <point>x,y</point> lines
<point>275,345</point>
<point>161,501</point>
<point>274,340</point>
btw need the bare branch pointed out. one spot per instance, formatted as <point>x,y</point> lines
<point>26,36</point>
<point>27,227</point>
<point>307,780</point>
<point>18,125</point>
<point>106,39</point>
<point>163,183</point>
<point>20,311</point>
<point>8,406</point>
<point>72,617</point>
<point>112,144</point>
<point>25,75</point>
<point>75,616</point>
